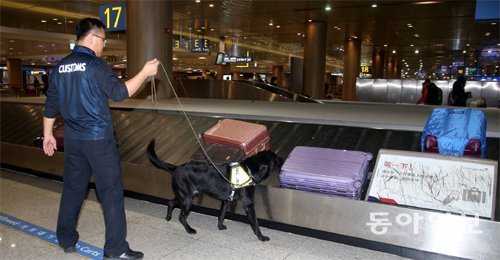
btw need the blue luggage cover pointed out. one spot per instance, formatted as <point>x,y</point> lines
<point>454,128</point>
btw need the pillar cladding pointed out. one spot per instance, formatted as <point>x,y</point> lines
<point>149,35</point>
<point>313,83</point>
<point>378,63</point>
<point>396,72</point>
<point>352,61</point>
<point>14,71</point>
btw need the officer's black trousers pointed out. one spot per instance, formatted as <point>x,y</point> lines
<point>83,158</point>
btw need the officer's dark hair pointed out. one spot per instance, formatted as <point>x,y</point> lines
<point>84,26</point>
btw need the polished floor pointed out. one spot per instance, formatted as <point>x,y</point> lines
<point>35,200</point>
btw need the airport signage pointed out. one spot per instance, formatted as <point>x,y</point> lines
<point>366,69</point>
<point>113,16</point>
<point>200,45</point>
<point>181,44</point>
<point>234,59</point>
<point>194,45</point>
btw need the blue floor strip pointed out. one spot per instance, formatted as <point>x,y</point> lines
<point>49,236</point>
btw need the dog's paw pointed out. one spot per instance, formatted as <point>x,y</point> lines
<point>168,218</point>
<point>263,238</point>
<point>222,227</point>
<point>191,231</point>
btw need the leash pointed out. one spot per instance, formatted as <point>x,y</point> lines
<point>154,100</point>
<point>154,96</point>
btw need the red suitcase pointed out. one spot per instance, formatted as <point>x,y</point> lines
<point>219,154</point>
<point>249,137</point>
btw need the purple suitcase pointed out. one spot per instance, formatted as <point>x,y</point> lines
<point>325,170</point>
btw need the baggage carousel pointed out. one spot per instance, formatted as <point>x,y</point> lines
<point>366,127</point>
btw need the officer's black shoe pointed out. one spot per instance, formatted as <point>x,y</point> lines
<point>70,249</point>
<point>130,254</point>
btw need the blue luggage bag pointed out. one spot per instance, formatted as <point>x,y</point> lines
<point>455,131</point>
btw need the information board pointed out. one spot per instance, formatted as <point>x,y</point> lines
<point>432,181</point>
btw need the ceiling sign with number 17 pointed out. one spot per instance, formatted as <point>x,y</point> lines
<point>113,16</point>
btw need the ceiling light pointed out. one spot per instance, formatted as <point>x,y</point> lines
<point>211,5</point>
<point>59,22</point>
<point>409,25</point>
<point>487,34</point>
<point>464,51</point>
<point>411,45</point>
<point>174,58</point>
<point>328,8</point>
<point>393,51</point>
<point>355,37</point>
<point>11,41</point>
<point>374,5</point>
<point>427,2</point>
<point>498,44</point>
<point>416,51</point>
<point>55,19</point>
<point>197,1</point>
<point>493,23</point>
<point>271,24</point>
<point>277,26</point>
<point>212,29</point>
<point>44,21</point>
<point>203,27</point>
<point>202,58</point>
<point>467,44</point>
<point>385,45</point>
<point>298,33</point>
<point>309,20</point>
<point>70,21</point>
<point>416,35</point>
<point>489,51</point>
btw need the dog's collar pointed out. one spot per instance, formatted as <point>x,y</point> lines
<point>240,177</point>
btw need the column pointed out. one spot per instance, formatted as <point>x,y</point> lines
<point>14,72</point>
<point>278,72</point>
<point>352,61</point>
<point>313,83</point>
<point>389,68</point>
<point>378,63</point>
<point>297,74</point>
<point>396,71</point>
<point>149,35</point>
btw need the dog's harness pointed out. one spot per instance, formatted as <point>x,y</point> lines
<point>239,178</point>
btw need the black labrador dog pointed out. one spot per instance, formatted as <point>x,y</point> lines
<point>194,178</point>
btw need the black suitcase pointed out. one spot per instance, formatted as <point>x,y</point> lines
<point>219,154</point>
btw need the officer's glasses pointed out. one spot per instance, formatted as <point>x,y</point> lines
<point>102,38</point>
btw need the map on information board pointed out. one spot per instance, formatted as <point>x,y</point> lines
<point>431,181</point>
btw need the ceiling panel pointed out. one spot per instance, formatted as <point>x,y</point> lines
<point>439,30</point>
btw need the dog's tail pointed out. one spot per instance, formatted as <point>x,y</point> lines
<point>153,157</point>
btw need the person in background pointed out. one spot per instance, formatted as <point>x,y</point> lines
<point>80,86</point>
<point>274,81</point>
<point>36,84</point>
<point>45,80</point>
<point>425,92</point>
<point>431,94</point>
<point>458,94</point>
